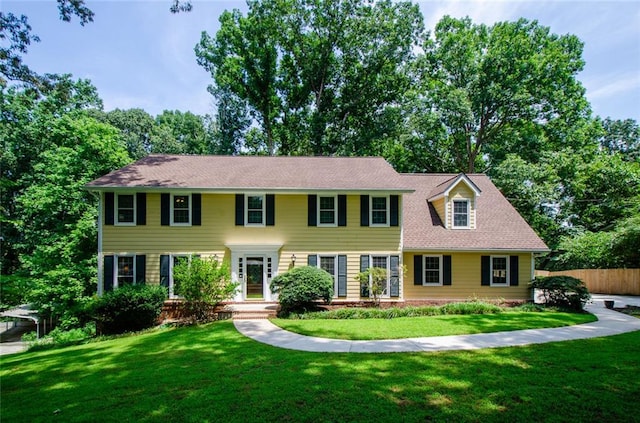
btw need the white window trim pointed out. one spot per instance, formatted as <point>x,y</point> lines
<point>335,270</point>
<point>386,293</point>
<point>115,269</point>
<point>335,211</point>
<point>246,210</point>
<point>453,213</point>
<point>135,210</point>
<point>173,223</point>
<point>424,270</point>
<point>379,225</point>
<point>507,280</point>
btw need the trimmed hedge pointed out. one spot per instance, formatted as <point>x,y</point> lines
<point>128,309</point>
<point>301,287</point>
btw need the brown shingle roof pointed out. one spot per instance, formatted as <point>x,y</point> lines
<point>255,173</point>
<point>498,225</point>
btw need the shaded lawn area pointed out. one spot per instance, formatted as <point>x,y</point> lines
<point>212,373</point>
<point>416,327</point>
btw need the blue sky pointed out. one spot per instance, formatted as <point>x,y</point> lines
<point>140,55</point>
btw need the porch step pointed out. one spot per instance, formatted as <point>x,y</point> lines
<point>244,311</point>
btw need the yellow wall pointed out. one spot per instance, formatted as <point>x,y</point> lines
<point>218,229</point>
<point>465,280</point>
<point>461,192</point>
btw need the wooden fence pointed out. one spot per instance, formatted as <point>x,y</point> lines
<point>604,281</point>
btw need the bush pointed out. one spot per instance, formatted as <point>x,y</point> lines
<point>562,291</point>
<point>472,307</point>
<point>60,337</point>
<point>203,283</point>
<point>129,308</point>
<point>301,287</point>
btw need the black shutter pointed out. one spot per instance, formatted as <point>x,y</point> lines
<point>364,265</point>
<point>141,208</point>
<point>417,270</point>
<point>196,213</point>
<point>165,209</point>
<point>164,270</point>
<point>342,210</point>
<point>107,272</point>
<point>394,210</point>
<point>271,209</point>
<point>486,270</point>
<point>312,212</point>
<point>513,270</point>
<point>364,210</point>
<point>342,276</point>
<point>312,260</point>
<point>141,262</point>
<point>394,281</point>
<point>109,214</point>
<point>239,209</point>
<point>446,270</point>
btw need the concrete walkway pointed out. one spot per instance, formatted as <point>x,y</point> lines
<point>609,323</point>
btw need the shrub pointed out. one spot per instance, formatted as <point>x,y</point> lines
<point>562,291</point>
<point>472,307</point>
<point>372,281</point>
<point>203,283</point>
<point>299,288</point>
<point>60,337</point>
<point>129,308</point>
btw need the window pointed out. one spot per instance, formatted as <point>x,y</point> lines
<point>461,213</point>
<point>432,270</point>
<point>379,211</point>
<point>499,272</point>
<point>181,209</point>
<point>383,263</point>
<point>126,209</point>
<point>255,209</point>
<point>328,264</point>
<point>327,211</point>
<point>126,270</point>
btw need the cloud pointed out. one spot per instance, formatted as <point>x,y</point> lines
<point>612,85</point>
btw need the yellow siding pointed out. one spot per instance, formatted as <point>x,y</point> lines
<point>466,277</point>
<point>218,230</point>
<point>461,192</point>
<point>440,209</point>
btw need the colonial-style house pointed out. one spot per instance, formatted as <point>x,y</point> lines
<point>440,236</point>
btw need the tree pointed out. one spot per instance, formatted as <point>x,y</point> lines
<point>136,129</point>
<point>508,88</point>
<point>204,283</point>
<point>318,75</point>
<point>17,31</point>
<point>621,136</point>
<point>25,133</point>
<point>57,216</point>
<point>185,133</point>
<point>228,130</point>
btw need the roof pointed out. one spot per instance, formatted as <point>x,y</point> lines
<point>228,173</point>
<point>443,188</point>
<point>498,225</point>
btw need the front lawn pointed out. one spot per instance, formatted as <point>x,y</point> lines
<point>212,373</point>
<point>416,327</point>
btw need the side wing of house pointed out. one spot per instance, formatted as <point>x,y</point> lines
<point>462,239</point>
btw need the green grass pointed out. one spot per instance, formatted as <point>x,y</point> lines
<point>416,327</point>
<point>212,373</point>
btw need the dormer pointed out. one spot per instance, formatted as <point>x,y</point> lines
<point>455,202</point>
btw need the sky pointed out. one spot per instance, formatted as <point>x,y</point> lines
<point>139,55</point>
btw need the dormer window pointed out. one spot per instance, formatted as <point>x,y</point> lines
<point>460,213</point>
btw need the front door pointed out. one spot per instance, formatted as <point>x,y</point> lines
<point>255,278</point>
